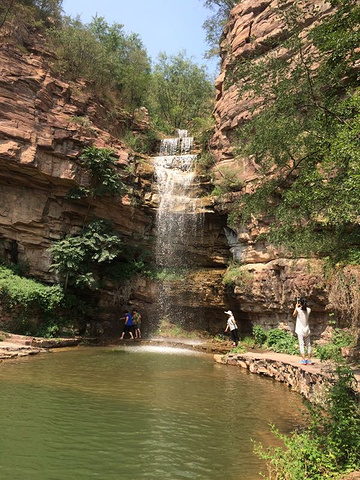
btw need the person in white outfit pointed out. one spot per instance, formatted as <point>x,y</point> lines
<point>232,326</point>
<point>302,329</point>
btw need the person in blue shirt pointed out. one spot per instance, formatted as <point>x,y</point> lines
<point>128,327</point>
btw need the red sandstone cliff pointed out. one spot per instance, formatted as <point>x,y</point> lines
<point>272,279</point>
<point>44,125</point>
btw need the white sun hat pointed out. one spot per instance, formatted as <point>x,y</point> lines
<point>229,312</point>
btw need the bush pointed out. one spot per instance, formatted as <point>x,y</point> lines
<point>146,143</point>
<point>260,335</point>
<point>27,293</point>
<point>240,348</point>
<point>96,253</point>
<point>229,182</point>
<point>170,330</point>
<point>237,275</point>
<point>281,341</point>
<point>275,339</point>
<point>332,350</point>
<point>329,446</point>
<point>100,163</point>
<point>33,305</point>
<point>114,63</point>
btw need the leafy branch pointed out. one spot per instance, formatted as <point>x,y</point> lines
<point>100,163</point>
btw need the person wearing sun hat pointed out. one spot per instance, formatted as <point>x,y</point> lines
<point>232,326</point>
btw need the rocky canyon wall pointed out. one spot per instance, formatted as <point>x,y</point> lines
<point>272,279</point>
<point>45,123</point>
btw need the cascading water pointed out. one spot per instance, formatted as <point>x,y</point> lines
<point>176,220</point>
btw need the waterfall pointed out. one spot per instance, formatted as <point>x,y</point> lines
<point>176,219</point>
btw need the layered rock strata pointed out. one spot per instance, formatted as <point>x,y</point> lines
<point>44,125</point>
<point>271,279</point>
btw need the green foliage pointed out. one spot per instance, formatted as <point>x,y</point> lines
<point>83,121</point>
<point>27,293</point>
<point>229,182</point>
<point>240,348</point>
<point>237,275</point>
<point>146,143</point>
<point>181,92</point>
<point>248,342</point>
<point>329,446</point>
<point>76,257</point>
<point>19,14</point>
<point>305,140</point>
<point>260,335</point>
<point>95,253</point>
<point>100,163</point>
<point>332,350</point>
<point>281,341</point>
<point>170,330</point>
<point>214,25</point>
<point>34,307</point>
<point>170,274</point>
<point>46,8</point>
<point>114,62</point>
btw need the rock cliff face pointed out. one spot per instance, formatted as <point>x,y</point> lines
<point>272,279</point>
<point>44,125</point>
<point>259,20</point>
<point>40,143</point>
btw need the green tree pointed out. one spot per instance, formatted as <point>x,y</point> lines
<point>114,62</point>
<point>20,14</point>
<point>96,252</point>
<point>130,63</point>
<point>78,259</point>
<point>47,8</point>
<point>105,180</point>
<point>305,140</point>
<point>181,92</point>
<point>214,25</point>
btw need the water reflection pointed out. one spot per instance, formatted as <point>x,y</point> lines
<point>132,414</point>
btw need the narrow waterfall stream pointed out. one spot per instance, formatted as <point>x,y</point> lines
<point>176,219</point>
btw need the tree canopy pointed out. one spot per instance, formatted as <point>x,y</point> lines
<point>215,23</point>
<point>105,55</point>
<point>181,91</point>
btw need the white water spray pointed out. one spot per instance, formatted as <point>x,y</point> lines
<point>177,219</point>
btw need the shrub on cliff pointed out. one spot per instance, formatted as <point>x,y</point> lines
<point>97,252</point>
<point>105,180</point>
<point>215,23</point>
<point>237,275</point>
<point>35,12</point>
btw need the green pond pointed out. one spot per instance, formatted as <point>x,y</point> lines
<point>129,413</point>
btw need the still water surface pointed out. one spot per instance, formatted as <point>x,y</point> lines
<point>136,413</point>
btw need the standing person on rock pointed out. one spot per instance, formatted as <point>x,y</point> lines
<point>232,326</point>
<point>302,329</point>
<point>136,317</point>
<point>128,327</point>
